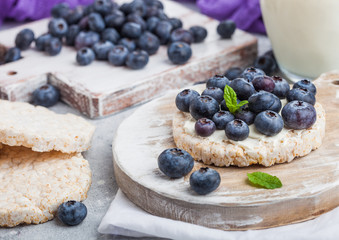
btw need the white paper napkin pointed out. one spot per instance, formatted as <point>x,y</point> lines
<point>125,218</point>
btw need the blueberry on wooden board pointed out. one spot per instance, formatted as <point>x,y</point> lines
<point>205,180</point>
<point>46,95</point>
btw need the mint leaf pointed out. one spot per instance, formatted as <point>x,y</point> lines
<point>264,180</point>
<point>231,99</point>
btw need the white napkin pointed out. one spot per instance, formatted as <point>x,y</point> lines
<point>125,218</point>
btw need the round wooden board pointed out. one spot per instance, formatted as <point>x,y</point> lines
<point>310,184</point>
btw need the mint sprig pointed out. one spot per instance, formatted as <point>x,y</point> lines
<point>231,99</point>
<point>264,180</point>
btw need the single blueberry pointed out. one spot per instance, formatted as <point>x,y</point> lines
<point>242,88</point>
<point>88,9</point>
<point>237,130</point>
<point>221,119</point>
<point>110,34</point>
<point>58,27</point>
<point>301,94</point>
<point>226,28</point>
<point>163,31</point>
<point>250,73</point>
<point>265,83</point>
<point>125,8</point>
<point>96,22</point>
<point>131,30</point>
<point>101,49</point>
<point>204,180</point>
<point>204,127</point>
<point>40,41</point>
<point>60,10</point>
<point>86,39</point>
<point>138,7</point>
<point>85,56</point>
<point>46,95</point>
<point>149,43</point>
<point>199,33</point>
<point>179,52</point>
<point>53,46</point>
<point>75,15</point>
<point>83,24</point>
<point>137,19</point>
<point>215,93</point>
<point>152,23</point>
<point>184,98</point>
<point>245,114</point>
<point>181,35</point>
<point>24,39</point>
<point>154,3</point>
<point>72,212</point>
<point>176,23</point>
<point>137,59</point>
<point>266,63</point>
<point>117,56</point>
<point>103,6</point>
<point>269,123</point>
<point>305,83</point>
<point>129,43</point>
<point>175,162</point>
<point>203,107</point>
<point>115,20</point>
<point>12,55</point>
<point>262,101</point>
<point>299,115</point>
<point>219,81</point>
<point>72,33</point>
<point>152,11</point>
<point>281,87</point>
<point>233,73</point>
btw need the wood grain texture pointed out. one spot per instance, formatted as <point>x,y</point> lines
<point>101,89</point>
<point>310,184</point>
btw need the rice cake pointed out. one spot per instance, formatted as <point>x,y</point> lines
<point>22,124</point>
<point>34,184</point>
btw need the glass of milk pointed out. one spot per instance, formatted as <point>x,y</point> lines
<point>304,35</point>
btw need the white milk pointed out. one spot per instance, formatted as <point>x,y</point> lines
<point>304,34</point>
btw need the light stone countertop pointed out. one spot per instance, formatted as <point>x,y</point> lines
<point>104,186</point>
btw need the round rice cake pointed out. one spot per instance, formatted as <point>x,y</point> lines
<point>34,184</point>
<point>217,149</point>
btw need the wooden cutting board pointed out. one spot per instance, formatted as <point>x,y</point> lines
<point>310,184</point>
<point>101,89</point>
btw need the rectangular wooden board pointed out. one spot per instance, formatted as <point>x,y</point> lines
<point>101,89</point>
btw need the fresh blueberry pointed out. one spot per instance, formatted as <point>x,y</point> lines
<point>199,33</point>
<point>245,114</point>
<point>75,15</point>
<point>154,3</point>
<point>237,130</point>
<point>53,46</point>
<point>203,107</point>
<point>205,180</point>
<point>176,23</point>
<point>12,55</point>
<point>163,31</point>
<point>184,98</point>
<point>117,56</point>
<point>46,95</point>
<point>96,22</point>
<point>181,35</point>
<point>101,49</point>
<point>233,73</point>
<point>262,101</point>
<point>60,10</point>
<point>88,9</point>
<point>85,56</point>
<point>110,34</point>
<point>175,162</point>
<point>115,20</point>
<point>265,83</point>
<point>137,59</point>
<point>226,28</point>
<point>72,33</point>
<point>103,6</point>
<point>299,115</point>
<point>242,88</point>
<point>86,39</point>
<point>137,19</point>
<point>250,73</point>
<point>149,43</point>
<point>24,39</point>
<point>83,24</point>
<point>204,127</point>
<point>40,41</point>
<point>221,119</point>
<point>125,8</point>
<point>72,212</point>
<point>179,52</point>
<point>58,27</point>
<point>219,81</point>
<point>301,94</point>
<point>266,63</point>
<point>129,43</point>
<point>306,84</point>
<point>138,7</point>
<point>215,93</point>
<point>281,87</point>
<point>151,23</point>
<point>269,123</point>
<point>131,30</point>
<point>151,11</point>
<point>162,15</point>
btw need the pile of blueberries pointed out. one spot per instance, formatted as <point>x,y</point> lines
<point>263,94</point>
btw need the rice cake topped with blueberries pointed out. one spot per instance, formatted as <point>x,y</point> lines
<point>23,124</point>
<point>256,124</point>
